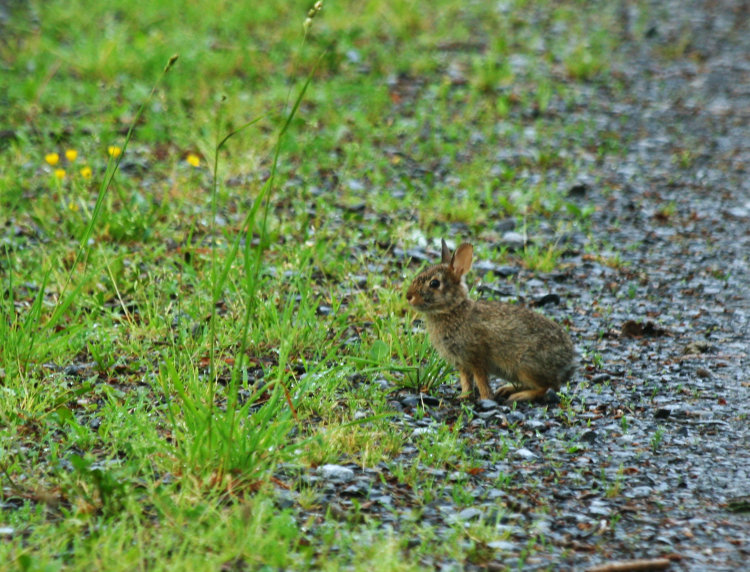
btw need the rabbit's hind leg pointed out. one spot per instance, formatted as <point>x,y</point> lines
<point>527,395</point>
<point>505,391</point>
<point>536,388</point>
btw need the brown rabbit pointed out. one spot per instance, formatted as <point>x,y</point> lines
<point>483,337</point>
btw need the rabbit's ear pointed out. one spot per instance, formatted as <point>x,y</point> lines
<point>446,254</point>
<point>461,261</point>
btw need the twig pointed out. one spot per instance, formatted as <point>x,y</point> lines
<point>289,401</point>
<point>632,565</point>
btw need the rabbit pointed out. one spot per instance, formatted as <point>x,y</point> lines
<point>482,338</point>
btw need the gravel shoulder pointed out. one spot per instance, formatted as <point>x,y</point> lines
<point>650,457</point>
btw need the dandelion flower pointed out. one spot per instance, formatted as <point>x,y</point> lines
<point>60,173</point>
<point>114,151</point>
<point>52,159</point>
<point>193,159</point>
<point>71,155</point>
<point>86,172</point>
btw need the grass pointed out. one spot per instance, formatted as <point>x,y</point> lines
<point>197,289</point>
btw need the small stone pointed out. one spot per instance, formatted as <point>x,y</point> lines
<point>355,185</point>
<point>486,404</point>
<point>384,500</point>
<point>505,225</point>
<point>382,383</point>
<point>284,500</point>
<point>739,212</point>
<point>353,56</point>
<point>513,240</point>
<point>662,413</point>
<point>336,473</point>
<point>359,280</point>
<point>599,508</point>
<point>579,189</point>
<point>524,453</point>
<point>482,267</point>
<point>535,425</point>
<point>588,436</point>
<point>468,514</point>
<point>547,299</point>
<point>355,490</point>
<point>419,431</point>
<point>631,329</point>
<point>504,545</point>
<point>639,492</point>
<point>697,347</point>
<point>337,511</point>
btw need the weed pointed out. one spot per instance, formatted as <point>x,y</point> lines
<point>657,438</point>
<point>541,259</point>
<point>200,273</point>
<point>614,488</point>
<point>685,159</point>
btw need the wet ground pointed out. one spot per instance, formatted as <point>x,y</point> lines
<point>651,458</point>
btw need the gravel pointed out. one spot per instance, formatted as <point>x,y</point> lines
<point>647,453</point>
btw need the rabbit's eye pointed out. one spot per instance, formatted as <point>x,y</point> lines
<point>434,283</point>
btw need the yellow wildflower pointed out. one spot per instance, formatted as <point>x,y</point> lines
<point>72,207</point>
<point>52,158</point>
<point>193,159</point>
<point>86,172</point>
<point>71,155</point>
<point>60,173</point>
<point>114,151</point>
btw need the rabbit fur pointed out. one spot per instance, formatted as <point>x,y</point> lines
<point>482,338</point>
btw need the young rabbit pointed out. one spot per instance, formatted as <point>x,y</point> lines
<point>483,338</point>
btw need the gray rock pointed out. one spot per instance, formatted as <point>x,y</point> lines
<point>336,473</point>
<point>588,436</point>
<point>470,513</point>
<point>599,508</point>
<point>513,240</point>
<point>524,453</point>
<point>422,431</point>
<point>639,492</point>
<point>487,404</point>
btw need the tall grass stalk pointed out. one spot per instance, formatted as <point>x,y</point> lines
<point>249,437</point>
